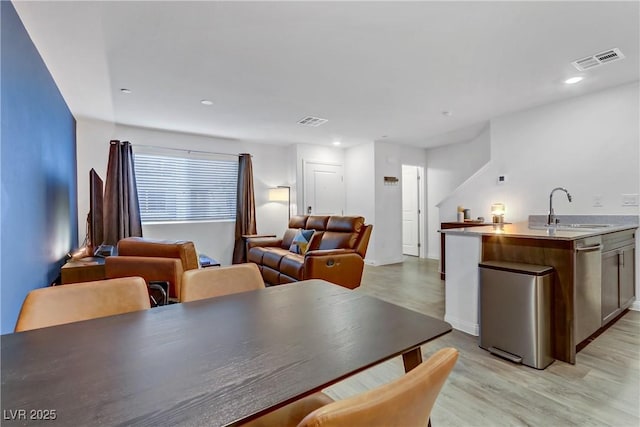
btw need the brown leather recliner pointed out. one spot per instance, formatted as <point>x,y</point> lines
<point>336,251</point>
<point>153,260</point>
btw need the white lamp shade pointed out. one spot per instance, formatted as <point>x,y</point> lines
<point>278,194</point>
<point>497,209</point>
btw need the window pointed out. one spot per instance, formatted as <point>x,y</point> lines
<point>176,189</point>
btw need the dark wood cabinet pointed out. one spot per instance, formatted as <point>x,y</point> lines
<point>627,270</point>
<point>609,301</point>
<point>618,274</point>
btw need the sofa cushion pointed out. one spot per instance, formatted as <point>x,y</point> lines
<point>271,276</point>
<point>292,265</point>
<point>298,221</point>
<point>336,240</point>
<point>314,244</point>
<point>317,222</point>
<point>255,255</point>
<point>300,243</point>
<point>345,224</point>
<point>273,256</point>
<point>287,238</point>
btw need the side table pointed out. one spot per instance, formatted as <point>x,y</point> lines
<point>206,261</point>
<point>83,270</point>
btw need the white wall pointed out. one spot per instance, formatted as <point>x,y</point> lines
<point>216,239</point>
<point>387,237</point>
<point>448,167</point>
<point>359,176</point>
<point>588,144</point>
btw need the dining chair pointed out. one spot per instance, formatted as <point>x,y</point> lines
<point>56,305</point>
<point>406,401</point>
<point>217,281</point>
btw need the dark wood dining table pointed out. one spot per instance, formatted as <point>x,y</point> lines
<point>218,361</point>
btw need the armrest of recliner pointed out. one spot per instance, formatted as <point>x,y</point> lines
<point>149,268</point>
<point>253,242</point>
<point>340,266</point>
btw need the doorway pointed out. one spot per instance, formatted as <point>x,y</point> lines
<point>412,210</point>
<point>323,188</point>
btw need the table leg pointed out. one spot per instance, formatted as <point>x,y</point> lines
<point>411,359</point>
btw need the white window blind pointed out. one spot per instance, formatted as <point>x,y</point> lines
<point>174,189</point>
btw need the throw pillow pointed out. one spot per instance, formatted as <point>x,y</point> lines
<point>300,242</point>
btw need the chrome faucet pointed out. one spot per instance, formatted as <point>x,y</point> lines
<point>551,219</point>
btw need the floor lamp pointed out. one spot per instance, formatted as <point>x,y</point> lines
<point>282,193</point>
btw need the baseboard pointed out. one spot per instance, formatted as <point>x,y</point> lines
<point>462,325</point>
<point>635,306</point>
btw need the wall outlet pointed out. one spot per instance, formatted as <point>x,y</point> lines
<point>629,200</point>
<point>597,201</point>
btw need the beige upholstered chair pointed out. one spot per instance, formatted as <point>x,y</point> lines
<point>217,281</point>
<point>56,305</point>
<point>406,401</point>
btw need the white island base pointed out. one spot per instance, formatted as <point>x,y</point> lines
<point>462,256</point>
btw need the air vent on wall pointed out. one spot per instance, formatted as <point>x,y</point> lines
<point>312,121</point>
<point>598,59</point>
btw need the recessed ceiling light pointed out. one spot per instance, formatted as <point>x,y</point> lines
<point>573,80</point>
<point>447,113</point>
<point>206,102</point>
<point>336,143</point>
<point>123,90</point>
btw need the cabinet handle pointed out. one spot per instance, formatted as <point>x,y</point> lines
<point>589,248</point>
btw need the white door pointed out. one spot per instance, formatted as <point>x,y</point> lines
<point>410,211</point>
<point>323,189</point>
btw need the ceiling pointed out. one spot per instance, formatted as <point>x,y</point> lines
<point>376,70</point>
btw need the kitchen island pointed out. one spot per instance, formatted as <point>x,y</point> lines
<point>579,309</point>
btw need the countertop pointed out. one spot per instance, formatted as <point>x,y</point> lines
<point>523,229</point>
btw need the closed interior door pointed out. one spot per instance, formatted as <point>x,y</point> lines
<point>410,211</point>
<point>323,189</point>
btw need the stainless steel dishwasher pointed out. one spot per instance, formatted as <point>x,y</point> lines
<point>588,295</point>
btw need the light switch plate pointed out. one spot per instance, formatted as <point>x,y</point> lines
<point>629,200</point>
<point>597,201</point>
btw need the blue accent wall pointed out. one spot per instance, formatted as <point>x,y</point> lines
<point>39,219</point>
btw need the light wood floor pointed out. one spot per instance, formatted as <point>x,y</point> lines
<point>601,389</point>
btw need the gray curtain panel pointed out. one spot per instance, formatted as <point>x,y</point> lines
<point>121,206</point>
<point>245,207</point>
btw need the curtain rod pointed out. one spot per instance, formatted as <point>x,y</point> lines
<point>187,150</point>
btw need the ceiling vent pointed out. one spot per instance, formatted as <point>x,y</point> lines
<point>311,121</point>
<point>598,59</point>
